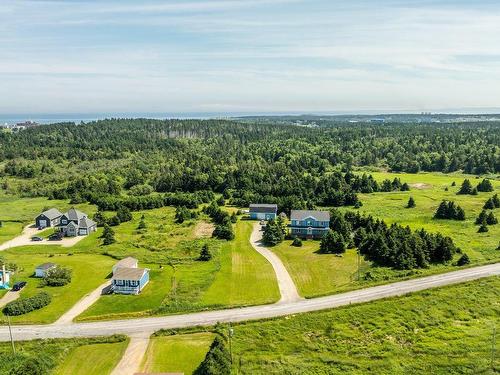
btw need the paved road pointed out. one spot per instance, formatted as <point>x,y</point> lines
<point>139,326</point>
<point>83,304</point>
<point>286,285</point>
<point>24,239</point>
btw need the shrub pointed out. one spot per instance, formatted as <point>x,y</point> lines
<point>463,260</point>
<point>297,242</point>
<point>274,232</point>
<point>491,219</point>
<point>449,210</point>
<point>123,214</point>
<point>108,235</point>
<point>466,188</point>
<point>58,276</point>
<point>224,231</point>
<point>485,186</point>
<point>25,305</point>
<point>483,229</point>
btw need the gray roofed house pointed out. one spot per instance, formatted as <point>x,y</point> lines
<point>76,223</point>
<point>304,214</point>
<point>263,211</point>
<point>309,223</point>
<point>75,215</point>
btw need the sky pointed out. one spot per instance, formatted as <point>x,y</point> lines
<point>255,56</point>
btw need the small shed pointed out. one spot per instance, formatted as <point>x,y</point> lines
<point>127,262</point>
<point>42,269</point>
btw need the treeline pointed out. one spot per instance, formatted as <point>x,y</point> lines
<point>243,160</point>
<point>392,246</point>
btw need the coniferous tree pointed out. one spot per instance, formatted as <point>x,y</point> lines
<point>483,228</point>
<point>205,254</point>
<point>481,219</point>
<point>411,203</point>
<point>217,360</point>
<point>99,218</point>
<point>463,260</point>
<point>142,223</point>
<point>108,235</point>
<point>489,204</point>
<point>496,201</point>
<point>466,187</point>
<point>273,233</point>
<point>332,243</point>
<point>485,186</point>
<point>491,219</point>
<point>124,214</point>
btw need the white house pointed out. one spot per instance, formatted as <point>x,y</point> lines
<point>42,269</point>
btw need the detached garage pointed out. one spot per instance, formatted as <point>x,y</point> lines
<point>49,218</point>
<point>263,211</point>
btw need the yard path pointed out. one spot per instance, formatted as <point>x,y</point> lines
<point>132,358</point>
<point>8,297</point>
<point>24,239</point>
<point>82,304</point>
<point>287,287</point>
<point>143,326</point>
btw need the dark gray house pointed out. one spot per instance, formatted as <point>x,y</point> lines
<point>49,218</point>
<point>309,223</point>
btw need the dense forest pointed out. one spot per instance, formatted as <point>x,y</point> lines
<point>134,161</point>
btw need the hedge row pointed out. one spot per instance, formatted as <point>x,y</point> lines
<point>25,305</point>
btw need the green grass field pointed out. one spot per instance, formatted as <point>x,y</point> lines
<point>89,356</point>
<point>9,230</point>
<point>227,280</point>
<point>245,277</point>
<point>317,274</point>
<point>441,331</point>
<point>320,274</point>
<point>428,190</point>
<point>94,359</point>
<point>89,271</point>
<point>176,354</point>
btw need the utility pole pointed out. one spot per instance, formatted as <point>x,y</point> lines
<point>11,339</point>
<point>230,335</point>
<point>493,344</point>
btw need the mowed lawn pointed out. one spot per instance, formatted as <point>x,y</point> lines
<point>9,230</point>
<point>428,190</point>
<point>176,354</point>
<point>115,306</point>
<point>94,359</point>
<point>317,274</point>
<point>245,277</point>
<point>440,331</point>
<point>88,272</point>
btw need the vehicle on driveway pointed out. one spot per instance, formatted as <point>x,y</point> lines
<point>18,286</point>
<point>36,238</point>
<point>56,236</point>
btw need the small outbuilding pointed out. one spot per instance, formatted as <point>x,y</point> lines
<point>262,211</point>
<point>42,269</point>
<point>127,262</point>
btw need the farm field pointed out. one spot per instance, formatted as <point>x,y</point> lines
<point>89,356</point>
<point>176,354</point>
<point>430,332</point>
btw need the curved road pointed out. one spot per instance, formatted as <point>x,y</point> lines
<point>288,291</point>
<point>140,326</point>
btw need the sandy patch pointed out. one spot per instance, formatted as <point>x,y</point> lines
<point>203,229</point>
<point>420,186</point>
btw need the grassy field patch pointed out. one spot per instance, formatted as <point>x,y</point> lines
<point>94,359</point>
<point>176,354</point>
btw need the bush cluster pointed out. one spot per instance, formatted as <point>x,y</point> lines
<point>25,305</point>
